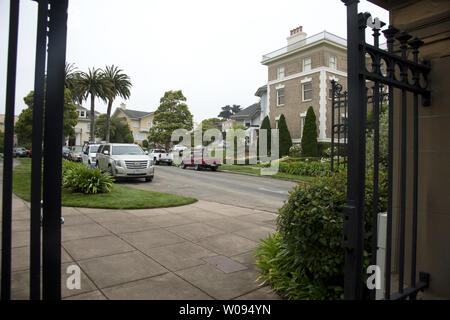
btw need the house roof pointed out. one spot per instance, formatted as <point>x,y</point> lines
<point>135,114</point>
<point>248,112</point>
<point>261,90</point>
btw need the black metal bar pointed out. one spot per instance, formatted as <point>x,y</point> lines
<point>333,97</point>
<point>339,129</point>
<point>354,208</point>
<point>51,276</point>
<point>389,34</point>
<point>36,162</point>
<point>403,38</point>
<point>8,149</point>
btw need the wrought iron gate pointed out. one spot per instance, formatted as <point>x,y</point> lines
<point>339,127</point>
<point>406,76</point>
<point>51,24</point>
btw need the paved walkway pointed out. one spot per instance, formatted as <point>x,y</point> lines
<point>200,251</point>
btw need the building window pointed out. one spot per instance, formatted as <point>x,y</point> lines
<point>280,97</point>
<point>280,73</point>
<point>307,91</point>
<point>307,64</point>
<point>82,114</point>
<point>332,63</point>
<point>136,124</point>
<point>149,124</point>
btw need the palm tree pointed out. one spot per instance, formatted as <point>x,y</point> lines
<point>93,84</point>
<point>235,108</point>
<point>120,86</point>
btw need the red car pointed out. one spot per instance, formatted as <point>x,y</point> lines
<point>27,153</point>
<point>200,161</point>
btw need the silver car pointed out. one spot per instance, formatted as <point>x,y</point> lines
<point>125,160</point>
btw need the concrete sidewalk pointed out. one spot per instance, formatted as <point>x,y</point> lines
<point>200,251</point>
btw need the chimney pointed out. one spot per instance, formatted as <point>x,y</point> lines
<point>296,35</point>
<point>123,106</point>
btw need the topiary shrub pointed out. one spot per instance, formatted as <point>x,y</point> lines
<point>307,260</point>
<point>77,177</point>
<point>284,136</point>
<point>309,136</point>
<point>266,125</point>
<point>295,151</point>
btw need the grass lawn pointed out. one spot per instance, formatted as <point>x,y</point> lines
<point>120,197</point>
<point>254,170</point>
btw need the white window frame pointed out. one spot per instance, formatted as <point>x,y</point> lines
<point>280,73</point>
<point>302,123</point>
<point>307,66</point>
<point>136,123</point>
<point>278,97</point>
<point>303,91</point>
<point>332,61</point>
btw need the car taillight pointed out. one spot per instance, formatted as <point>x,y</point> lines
<point>160,155</point>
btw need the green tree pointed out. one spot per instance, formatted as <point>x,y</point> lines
<point>119,130</point>
<point>309,136</point>
<point>236,108</point>
<point>120,86</point>
<point>93,84</point>
<point>226,112</point>
<point>265,125</point>
<point>24,125</point>
<point>284,136</point>
<point>71,77</point>
<point>171,114</point>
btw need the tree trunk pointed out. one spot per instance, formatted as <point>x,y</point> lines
<point>108,116</point>
<point>92,136</point>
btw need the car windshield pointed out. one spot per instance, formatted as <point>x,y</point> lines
<point>133,150</point>
<point>93,149</point>
<point>160,151</point>
<point>76,149</point>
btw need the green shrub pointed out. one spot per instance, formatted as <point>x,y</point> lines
<point>310,257</point>
<point>295,151</point>
<point>309,136</point>
<point>305,168</point>
<point>266,125</point>
<point>77,177</point>
<point>284,136</point>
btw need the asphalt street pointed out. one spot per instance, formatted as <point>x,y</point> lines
<point>227,188</point>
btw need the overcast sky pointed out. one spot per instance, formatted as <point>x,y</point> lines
<point>210,49</point>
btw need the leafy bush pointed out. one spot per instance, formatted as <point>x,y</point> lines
<point>295,151</point>
<point>309,136</point>
<point>306,259</point>
<point>77,177</point>
<point>284,136</point>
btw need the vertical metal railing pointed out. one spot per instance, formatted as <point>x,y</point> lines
<point>8,150</point>
<point>358,53</point>
<point>48,87</point>
<point>338,126</point>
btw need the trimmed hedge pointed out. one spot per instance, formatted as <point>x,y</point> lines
<point>284,136</point>
<point>305,260</point>
<point>309,136</point>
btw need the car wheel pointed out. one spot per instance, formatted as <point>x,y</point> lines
<point>213,168</point>
<point>149,179</point>
<point>110,171</point>
<point>197,167</point>
<point>183,166</point>
<point>169,163</point>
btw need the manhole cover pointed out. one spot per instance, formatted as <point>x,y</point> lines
<point>225,264</point>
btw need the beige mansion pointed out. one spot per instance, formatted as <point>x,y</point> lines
<point>299,76</point>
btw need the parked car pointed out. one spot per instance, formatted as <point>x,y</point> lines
<point>161,155</point>
<point>65,152</point>
<point>89,153</point>
<point>75,153</point>
<point>200,160</point>
<point>125,160</point>
<point>19,152</point>
<point>28,153</point>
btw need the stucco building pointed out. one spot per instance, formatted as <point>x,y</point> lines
<point>299,76</point>
<point>139,121</point>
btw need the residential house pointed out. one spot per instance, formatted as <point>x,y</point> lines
<point>299,76</point>
<point>2,126</point>
<point>82,128</point>
<point>139,121</point>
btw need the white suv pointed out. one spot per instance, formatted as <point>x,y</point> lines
<point>89,153</point>
<point>125,160</point>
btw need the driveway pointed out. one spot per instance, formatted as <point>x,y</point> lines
<point>253,192</point>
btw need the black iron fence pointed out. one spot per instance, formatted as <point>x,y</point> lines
<point>383,71</point>
<point>339,126</point>
<point>50,47</point>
